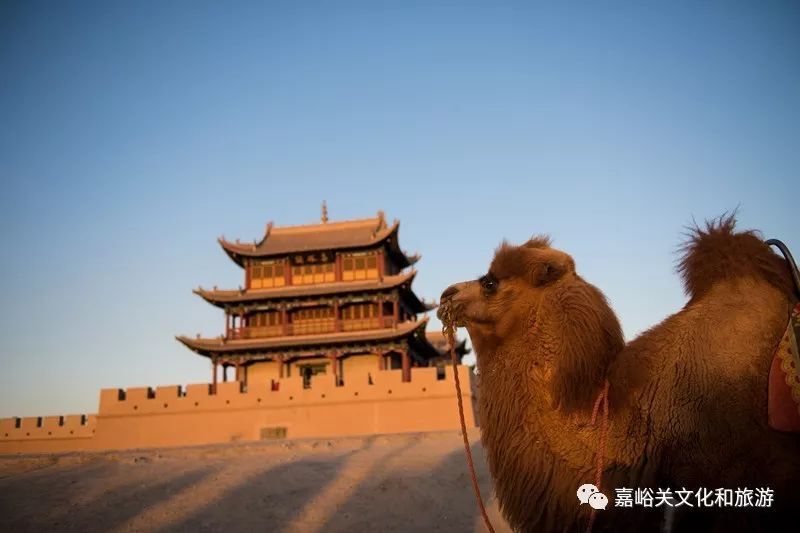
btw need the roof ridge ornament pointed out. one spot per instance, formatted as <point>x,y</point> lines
<point>324,216</point>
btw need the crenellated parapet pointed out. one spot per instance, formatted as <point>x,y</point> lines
<point>287,392</point>
<point>48,427</point>
<point>174,415</point>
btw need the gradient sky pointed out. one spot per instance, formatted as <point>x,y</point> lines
<point>133,134</point>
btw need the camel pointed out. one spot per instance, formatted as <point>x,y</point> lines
<point>687,397</point>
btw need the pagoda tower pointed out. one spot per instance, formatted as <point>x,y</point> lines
<point>333,298</point>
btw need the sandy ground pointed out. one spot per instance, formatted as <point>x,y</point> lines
<point>411,482</point>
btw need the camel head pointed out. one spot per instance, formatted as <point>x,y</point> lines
<point>504,301</point>
<point>532,314</point>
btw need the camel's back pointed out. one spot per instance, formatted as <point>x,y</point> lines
<point>705,388</point>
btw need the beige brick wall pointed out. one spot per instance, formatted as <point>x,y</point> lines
<point>176,416</point>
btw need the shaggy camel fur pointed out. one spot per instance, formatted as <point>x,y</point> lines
<point>688,397</point>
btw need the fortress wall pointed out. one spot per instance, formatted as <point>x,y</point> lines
<point>176,416</point>
<point>47,434</point>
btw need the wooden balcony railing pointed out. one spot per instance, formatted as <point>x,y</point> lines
<point>367,323</point>
<point>256,332</point>
<point>310,327</point>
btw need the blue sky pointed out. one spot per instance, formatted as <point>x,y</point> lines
<point>133,134</point>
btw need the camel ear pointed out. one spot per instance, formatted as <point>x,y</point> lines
<point>547,271</point>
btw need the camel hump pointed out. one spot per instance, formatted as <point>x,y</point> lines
<point>717,253</point>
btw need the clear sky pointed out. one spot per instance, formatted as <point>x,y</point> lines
<point>133,134</point>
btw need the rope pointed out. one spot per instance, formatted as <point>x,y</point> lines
<point>789,260</point>
<point>451,339</point>
<point>601,401</point>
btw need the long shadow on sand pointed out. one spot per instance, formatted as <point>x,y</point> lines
<point>51,501</point>
<point>266,501</point>
<point>437,499</point>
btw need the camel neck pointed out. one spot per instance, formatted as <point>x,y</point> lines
<point>516,408</point>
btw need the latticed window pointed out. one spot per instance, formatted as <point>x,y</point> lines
<point>264,324</point>
<point>360,316</point>
<point>312,273</point>
<point>313,320</point>
<point>266,274</point>
<point>357,267</point>
<point>269,318</point>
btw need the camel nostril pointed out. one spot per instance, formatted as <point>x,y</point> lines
<point>449,292</point>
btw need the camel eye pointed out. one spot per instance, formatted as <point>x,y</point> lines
<point>488,283</point>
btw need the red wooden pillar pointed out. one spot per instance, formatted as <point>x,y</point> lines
<point>214,367</point>
<point>284,321</point>
<point>406,365</point>
<point>287,272</point>
<point>338,268</point>
<point>381,265</point>
<point>241,325</point>
<point>337,324</point>
<point>334,358</point>
<point>396,310</point>
<point>247,274</point>
<point>381,361</point>
<point>380,312</point>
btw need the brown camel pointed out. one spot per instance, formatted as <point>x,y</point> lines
<point>688,398</point>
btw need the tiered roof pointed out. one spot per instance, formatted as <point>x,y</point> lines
<point>343,341</point>
<point>224,298</point>
<point>346,235</point>
<point>440,342</point>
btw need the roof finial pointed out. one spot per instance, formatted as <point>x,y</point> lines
<point>324,212</point>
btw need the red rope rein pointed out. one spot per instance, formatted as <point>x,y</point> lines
<point>600,402</point>
<point>451,339</point>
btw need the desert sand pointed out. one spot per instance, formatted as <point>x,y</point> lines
<point>407,482</point>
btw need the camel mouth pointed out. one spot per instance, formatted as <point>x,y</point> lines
<point>452,316</point>
<point>449,315</point>
<point>445,313</point>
